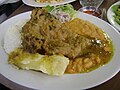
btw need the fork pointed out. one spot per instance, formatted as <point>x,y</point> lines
<point>104,14</point>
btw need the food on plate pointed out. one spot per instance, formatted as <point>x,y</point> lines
<point>48,1</point>
<point>116,10</point>
<point>100,51</point>
<point>53,37</point>
<point>86,28</point>
<point>56,47</point>
<point>63,12</point>
<point>52,65</point>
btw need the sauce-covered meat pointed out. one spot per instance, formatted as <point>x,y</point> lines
<point>86,45</point>
<point>45,32</point>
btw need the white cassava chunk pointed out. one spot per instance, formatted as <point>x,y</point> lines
<point>51,65</point>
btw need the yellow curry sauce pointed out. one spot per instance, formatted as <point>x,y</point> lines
<point>98,56</point>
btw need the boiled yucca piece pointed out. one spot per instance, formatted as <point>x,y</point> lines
<point>51,65</point>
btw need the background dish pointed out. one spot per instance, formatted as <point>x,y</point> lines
<point>37,80</point>
<point>35,4</point>
<point>110,17</point>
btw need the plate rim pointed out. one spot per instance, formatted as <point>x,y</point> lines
<point>45,4</point>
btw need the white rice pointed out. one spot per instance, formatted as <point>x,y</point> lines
<point>12,39</point>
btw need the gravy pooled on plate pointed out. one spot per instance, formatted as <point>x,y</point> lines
<point>99,53</point>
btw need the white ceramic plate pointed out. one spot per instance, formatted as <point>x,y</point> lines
<point>35,4</point>
<point>110,17</point>
<point>38,80</point>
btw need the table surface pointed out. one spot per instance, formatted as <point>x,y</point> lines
<point>112,84</point>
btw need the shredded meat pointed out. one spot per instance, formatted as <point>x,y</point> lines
<point>37,29</point>
<point>65,43</point>
<point>45,33</point>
